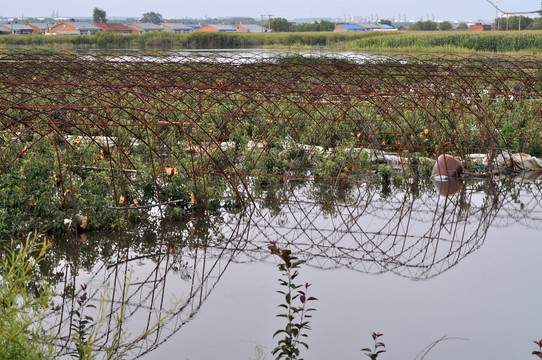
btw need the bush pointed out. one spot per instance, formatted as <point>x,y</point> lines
<point>24,301</point>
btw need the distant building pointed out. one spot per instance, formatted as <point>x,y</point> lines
<point>386,27</point>
<point>40,27</point>
<point>349,27</point>
<point>177,28</point>
<point>373,27</point>
<point>219,28</point>
<point>252,28</point>
<point>19,29</point>
<point>115,27</point>
<point>141,27</point>
<point>74,28</point>
<point>480,27</point>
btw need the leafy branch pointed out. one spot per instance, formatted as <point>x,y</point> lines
<point>539,351</point>
<point>295,309</point>
<point>378,348</point>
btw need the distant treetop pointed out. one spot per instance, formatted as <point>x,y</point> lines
<point>385,22</point>
<point>99,15</point>
<point>152,17</point>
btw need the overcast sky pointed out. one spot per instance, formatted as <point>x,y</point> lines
<point>170,9</point>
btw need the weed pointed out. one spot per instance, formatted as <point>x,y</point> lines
<point>296,315</point>
<point>89,338</point>
<point>82,327</point>
<point>259,353</point>
<point>21,309</point>
<point>539,351</point>
<point>378,348</point>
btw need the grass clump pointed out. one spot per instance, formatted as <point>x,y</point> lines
<point>24,301</point>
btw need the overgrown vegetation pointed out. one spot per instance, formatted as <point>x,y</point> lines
<point>118,143</point>
<point>528,42</point>
<point>24,301</point>
<point>525,41</point>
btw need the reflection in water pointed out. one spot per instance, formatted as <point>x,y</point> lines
<point>447,185</point>
<point>415,237</point>
<point>412,232</point>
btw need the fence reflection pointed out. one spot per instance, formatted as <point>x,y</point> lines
<point>418,235</point>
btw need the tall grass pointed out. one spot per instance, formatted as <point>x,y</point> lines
<point>530,41</point>
<point>512,41</point>
<point>23,302</point>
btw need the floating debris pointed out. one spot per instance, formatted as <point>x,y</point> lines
<point>448,165</point>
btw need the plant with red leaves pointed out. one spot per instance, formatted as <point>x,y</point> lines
<point>539,351</point>
<point>296,315</point>
<point>379,347</point>
<point>81,325</point>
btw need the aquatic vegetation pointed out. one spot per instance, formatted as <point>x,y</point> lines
<point>81,327</point>
<point>539,351</point>
<point>107,142</point>
<point>296,313</point>
<point>378,348</point>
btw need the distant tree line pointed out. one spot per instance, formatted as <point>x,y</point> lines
<point>282,25</point>
<point>424,26</point>
<point>518,23</point>
<point>512,23</point>
<point>224,20</point>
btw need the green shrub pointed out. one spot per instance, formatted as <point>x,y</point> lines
<point>24,301</point>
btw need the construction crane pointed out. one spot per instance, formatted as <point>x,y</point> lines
<point>508,13</point>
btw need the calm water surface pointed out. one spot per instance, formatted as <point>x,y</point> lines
<point>415,266</point>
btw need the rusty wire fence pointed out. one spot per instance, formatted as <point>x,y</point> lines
<point>188,131</point>
<point>208,156</point>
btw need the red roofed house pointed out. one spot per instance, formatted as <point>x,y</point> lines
<point>74,28</point>
<point>218,28</point>
<point>115,27</point>
<point>39,27</point>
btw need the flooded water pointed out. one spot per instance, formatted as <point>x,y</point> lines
<point>170,177</point>
<point>404,261</point>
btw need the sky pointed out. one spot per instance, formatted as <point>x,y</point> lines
<point>170,9</point>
